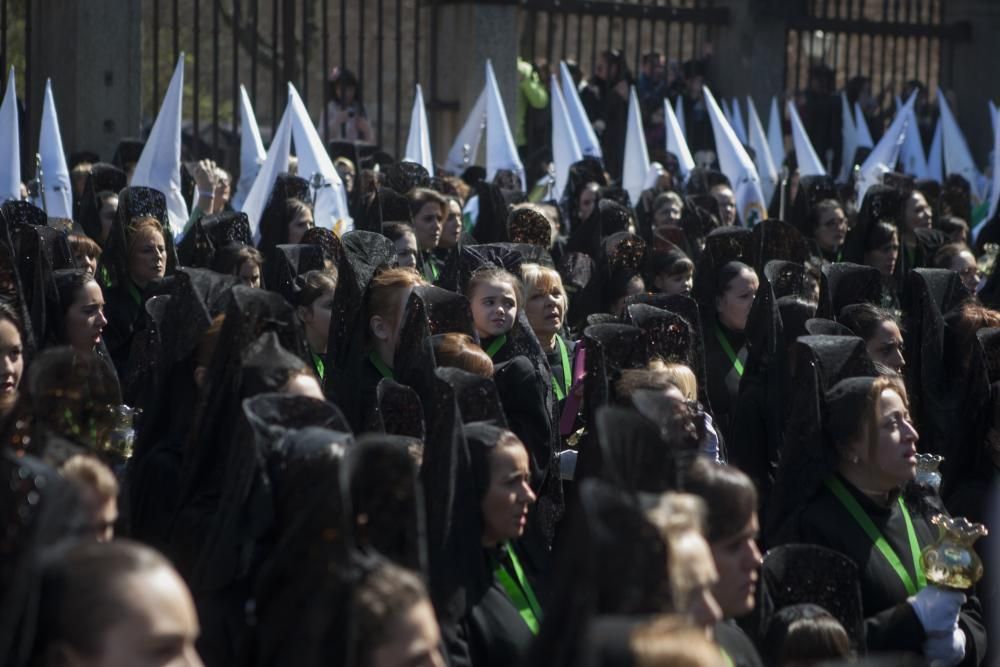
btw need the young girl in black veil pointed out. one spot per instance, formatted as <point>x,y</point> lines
<point>503,611</point>
<point>857,510</point>
<point>314,299</point>
<point>494,295</point>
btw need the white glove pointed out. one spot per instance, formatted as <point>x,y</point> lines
<point>937,609</point>
<point>945,651</point>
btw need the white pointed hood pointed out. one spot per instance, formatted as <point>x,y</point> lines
<point>585,135</point>
<point>275,163</point>
<point>418,143</point>
<point>636,156</point>
<point>935,161</point>
<point>864,135</point>
<point>676,141</point>
<point>766,168</point>
<point>315,165</point>
<point>465,151</point>
<point>912,159</point>
<point>995,190</point>
<point>565,147</point>
<point>848,138</point>
<point>501,152</point>
<point>159,165</point>
<point>737,166</point>
<point>805,155</point>
<point>10,144</point>
<point>775,135</point>
<point>956,153</point>
<point>738,126</point>
<point>679,111</point>
<point>993,114</point>
<point>252,153</point>
<point>58,200</point>
<point>884,156</point>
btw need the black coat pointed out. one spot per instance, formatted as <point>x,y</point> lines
<point>123,308</point>
<point>493,632</point>
<point>735,643</point>
<point>891,624</point>
<point>723,380</point>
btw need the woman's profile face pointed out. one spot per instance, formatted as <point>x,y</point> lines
<point>885,346</point>
<point>11,362</point>
<point>734,305</point>
<point>158,626</point>
<point>452,230</point>
<point>918,212</point>
<point>893,456</point>
<point>147,258</point>
<point>316,318</point>
<point>85,318</point>
<point>692,577</point>
<point>506,502</point>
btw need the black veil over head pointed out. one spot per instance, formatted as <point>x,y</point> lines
<point>273,227</point>
<point>808,456</point>
<point>209,234</point>
<point>102,178</point>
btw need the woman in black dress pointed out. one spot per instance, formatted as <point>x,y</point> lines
<point>857,510</point>
<point>503,611</point>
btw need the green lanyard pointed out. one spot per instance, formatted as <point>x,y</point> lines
<point>728,349</point>
<point>320,366</point>
<point>430,268</point>
<point>561,391</point>
<point>519,591</point>
<point>726,659</point>
<point>382,368</point>
<point>134,292</point>
<point>863,520</point>
<point>496,345</point>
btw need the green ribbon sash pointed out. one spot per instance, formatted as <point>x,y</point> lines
<point>496,345</point>
<point>561,389</point>
<point>866,524</point>
<point>728,349</point>
<point>519,590</point>
<point>320,366</point>
<point>381,367</point>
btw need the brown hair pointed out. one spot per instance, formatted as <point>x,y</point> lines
<point>83,594</point>
<point>395,230</point>
<point>730,497</point>
<point>384,291</point>
<point>455,350</point>
<point>295,207</point>
<point>947,253</point>
<point>386,594</point>
<point>453,185</point>
<point>314,284</point>
<point>420,197</point>
<point>89,474</point>
<point>495,273</point>
<point>84,245</point>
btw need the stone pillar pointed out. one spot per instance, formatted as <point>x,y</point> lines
<point>92,52</point>
<point>973,66</point>
<point>749,53</point>
<point>469,34</point>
